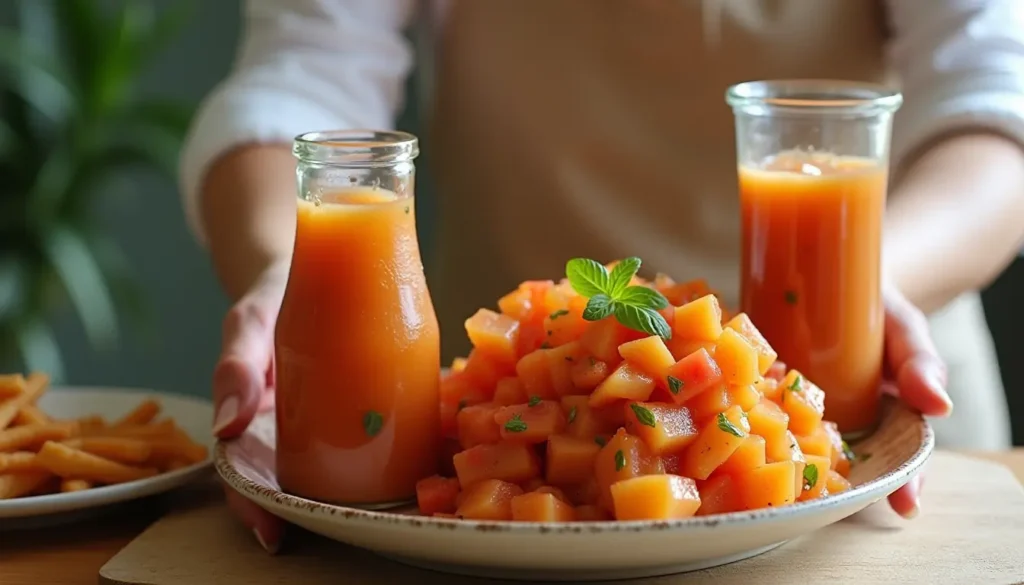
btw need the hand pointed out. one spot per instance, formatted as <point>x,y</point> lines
<point>243,384</point>
<point>919,375</point>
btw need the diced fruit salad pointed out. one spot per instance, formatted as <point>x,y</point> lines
<point>606,396</point>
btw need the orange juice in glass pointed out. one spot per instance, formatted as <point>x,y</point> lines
<point>813,172</point>
<point>357,341</point>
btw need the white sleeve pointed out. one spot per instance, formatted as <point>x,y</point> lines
<point>303,65</point>
<point>961,63</point>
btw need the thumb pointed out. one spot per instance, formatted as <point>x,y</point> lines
<point>240,378</point>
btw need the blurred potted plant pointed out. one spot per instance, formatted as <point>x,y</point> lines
<point>71,117</point>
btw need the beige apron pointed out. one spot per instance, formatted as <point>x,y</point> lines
<point>563,128</point>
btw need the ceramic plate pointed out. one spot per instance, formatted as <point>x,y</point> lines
<point>579,551</point>
<point>191,414</point>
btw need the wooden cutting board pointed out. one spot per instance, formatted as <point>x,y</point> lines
<point>971,531</point>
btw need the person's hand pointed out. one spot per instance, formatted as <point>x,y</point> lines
<point>918,377</point>
<point>243,384</point>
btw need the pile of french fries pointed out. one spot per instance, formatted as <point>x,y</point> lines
<point>40,454</point>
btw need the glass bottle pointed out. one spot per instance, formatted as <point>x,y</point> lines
<point>357,341</point>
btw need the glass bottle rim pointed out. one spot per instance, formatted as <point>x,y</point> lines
<point>814,97</point>
<point>356,148</point>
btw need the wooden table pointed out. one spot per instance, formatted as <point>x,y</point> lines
<point>73,555</point>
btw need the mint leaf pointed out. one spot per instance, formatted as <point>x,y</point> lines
<point>534,401</point>
<point>726,426</point>
<point>587,277</point>
<point>620,460</point>
<point>515,424</point>
<point>558,314</point>
<point>674,385</point>
<point>598,307</point>
<point>623,272</point>
<point>372,423</point>
<point>643,415</point>
<point>848,452</point>
<point>641,296</point>
<point>572,415</point>
<point>810,476</point>
<point>644,320</point>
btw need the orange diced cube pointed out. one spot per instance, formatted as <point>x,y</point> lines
<point>745,396</point>
<point>532,422</point>
<point>603,338</point>
<point>782,448</point>
<point>664,428</point>
<point>458,364</point>
<point>816,443</point>
<point>682,347</point>
<point>815,478</point>
<point>511,462</point>
<point>650,356</point>
<point>488,500</point>
<point>588,373</point>
<point>541,507</point>
<point>737,358</point>
<point>803,402</point>
<point>484,371</point>
<point>708,404</point>
<point>587,493</point>
<point>684,292</point>
<point>570,460</point>
<point>768,420</point>
<point>584,422</point>
<point>476,425</point>
<point>534,372</point>
<point>768,486</point>
<point>719,438</point>
<point>770,389</point>
<point>560,362</point>
<point>623,457</point>
<point>698,320</point>
<point>437,494</point>
<point>842,456</point>
<point>625,383</point>
<point>836,483</point>
<point>750,454</point>
<point>550,489</point>
<point>494,334</point>
<point>692,375</point>
<point>509,391</point>
<point>565,325</point>
<point>766,356</point>
<point>718,495</point>
<point>655,497</point>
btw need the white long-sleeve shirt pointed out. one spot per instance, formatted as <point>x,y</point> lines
<point>315,64</point>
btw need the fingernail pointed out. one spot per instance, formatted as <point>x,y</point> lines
<point>226,413</point>
<point>935,381</point>
<point>263,543</point>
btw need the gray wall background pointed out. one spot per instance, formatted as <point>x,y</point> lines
<point>178,352</point>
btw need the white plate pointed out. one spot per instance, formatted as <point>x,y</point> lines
<point>579,551</point>
<point>191,414</point>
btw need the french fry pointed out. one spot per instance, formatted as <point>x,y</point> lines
<point>30,414</point>
<point>15,485</point>
<point>164,429</point>
<point>91,424</point>
<point>120,449</point>
<point>69,463</point>
<point>74,485</point>
<point>19,461</point>
<point>11,385</point>
<point>35,385</point>
<point>142,414</point>
<point>31,436</point>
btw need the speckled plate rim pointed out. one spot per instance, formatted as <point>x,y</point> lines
<point>869,492</point>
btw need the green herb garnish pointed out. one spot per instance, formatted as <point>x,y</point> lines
<point>572,414</point>
<point>848,452</point>
<point>791,297</point>
<point>726,426</point>
<point>600,441</point>
<point>645,416</point>
<point>545,345</point>
<point>620,460</point>
<point>635,307</point>
<point>373,422</point>
<point>558,314</point>
<point>674,385</point>
<point>534,400</point>
<point>865,456</point>
<point>810,476</point>
<point>407,210</point>
<point>795,386</point>
<point>515,424</point>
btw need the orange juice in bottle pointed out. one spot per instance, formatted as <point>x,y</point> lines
<point>357,341</point>
<point>813,172</point>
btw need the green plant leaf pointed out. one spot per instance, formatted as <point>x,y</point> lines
<point>119,63</point>
<point>53,184</point>
<point>641,296</point>
<point>40,81</point>
<point>83,282</point>
<point>623,272</point>
<point>587,277</point>
<point>643,319</point>
<point>166,28</point>
<point>81,28</point>
<point>172,117</point>
<point>598,307</point>
<point>39,349</point>
<point>13,286</point>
